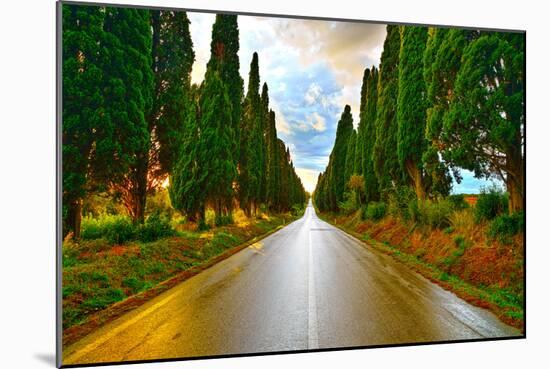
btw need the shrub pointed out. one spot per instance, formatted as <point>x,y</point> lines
<point>297,209</point>
<point>490,203</point>
<point>349,205</point>
<point>120,230</point>
<point>504,226</point>
<point>399,200</point>
<point>435,214</point>
<point>155,227</point>
<point>221,220</point>
<point>375,211</point>
<point>114,228</point>
<point>457,201</point>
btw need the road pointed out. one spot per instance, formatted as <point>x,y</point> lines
<point>307,286</point>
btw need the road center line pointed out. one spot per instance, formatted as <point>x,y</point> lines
<point>313,337</point>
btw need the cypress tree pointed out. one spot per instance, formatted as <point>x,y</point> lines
<point>250,166</point>
<point>173,59</point>
<point>216,165</point>
<point>273,172</point>
<point>128,100</point>
<point>386,165</point>
<point>336,168</point>
<point>224,58</point>
<point>411,106</point>
<point>186,194</point>
<point>82,105</point>
<point>350,157</point>
<point>264,120</point>
<point>369,115</point>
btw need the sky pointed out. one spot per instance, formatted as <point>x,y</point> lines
<point>313,69</point>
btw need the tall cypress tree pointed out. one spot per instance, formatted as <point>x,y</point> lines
<point>251,136</point>
<point>173,59</point>
<point>411,106</point>
<point>386,165</point>
<point>336,169</point>
<point>224,58</point>
<point>273,173</point>
<point>350,157</point>
<point>82,105</point>
<point>264,120</point>
<point>128,100</point>
<point>185,190</point>
<point>372,192</point>
<point>217,169</point>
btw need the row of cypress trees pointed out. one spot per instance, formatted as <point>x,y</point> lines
<point>442,100</point>
<point>132,118</point>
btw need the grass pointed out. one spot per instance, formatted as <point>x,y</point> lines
<point>98,274</point>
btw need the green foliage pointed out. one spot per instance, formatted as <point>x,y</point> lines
<point>156,226</point>
<point>386,165</point>
<point>186,195</point>
<point>350,158</point>
<point>114,228</point>
<point>399,200</point>
<point>435,214</point>
<point>217,165</point>
<point>349,205</point>
<point>221,220</point>
<point>83,105</point>
<point>104,297</point>
<point>367,132</point>
<point>374,211</point>
<point>136,284</point>
<point>333,181</point>
<point>457,201</point>
<point>411,105</point>
<point>489,139</point>
<point>490,203</point>
<point>118,229</point>
<point>173,58</point>
<point>504,226</point>
<point>224,59</point>
<point>252,144</point>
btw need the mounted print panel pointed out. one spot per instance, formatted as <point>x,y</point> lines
<point>243,184</point>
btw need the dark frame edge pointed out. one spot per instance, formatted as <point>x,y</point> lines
<point>58,187</point>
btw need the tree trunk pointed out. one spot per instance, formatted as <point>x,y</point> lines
<point>515,179</point>
<point>140,197</point>
<point>74,218</point>
<point>418,181</point>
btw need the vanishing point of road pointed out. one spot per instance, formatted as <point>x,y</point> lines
<point>306,286</point>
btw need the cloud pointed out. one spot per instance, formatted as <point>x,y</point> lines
<point>313,93</point>
<point>313,68</point>
<point>308,177</point>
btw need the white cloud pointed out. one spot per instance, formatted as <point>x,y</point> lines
<point>318,122</point>
<point>313,93</point>
<point>308,177</point>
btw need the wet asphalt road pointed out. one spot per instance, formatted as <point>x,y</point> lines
<point>307,286</point>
